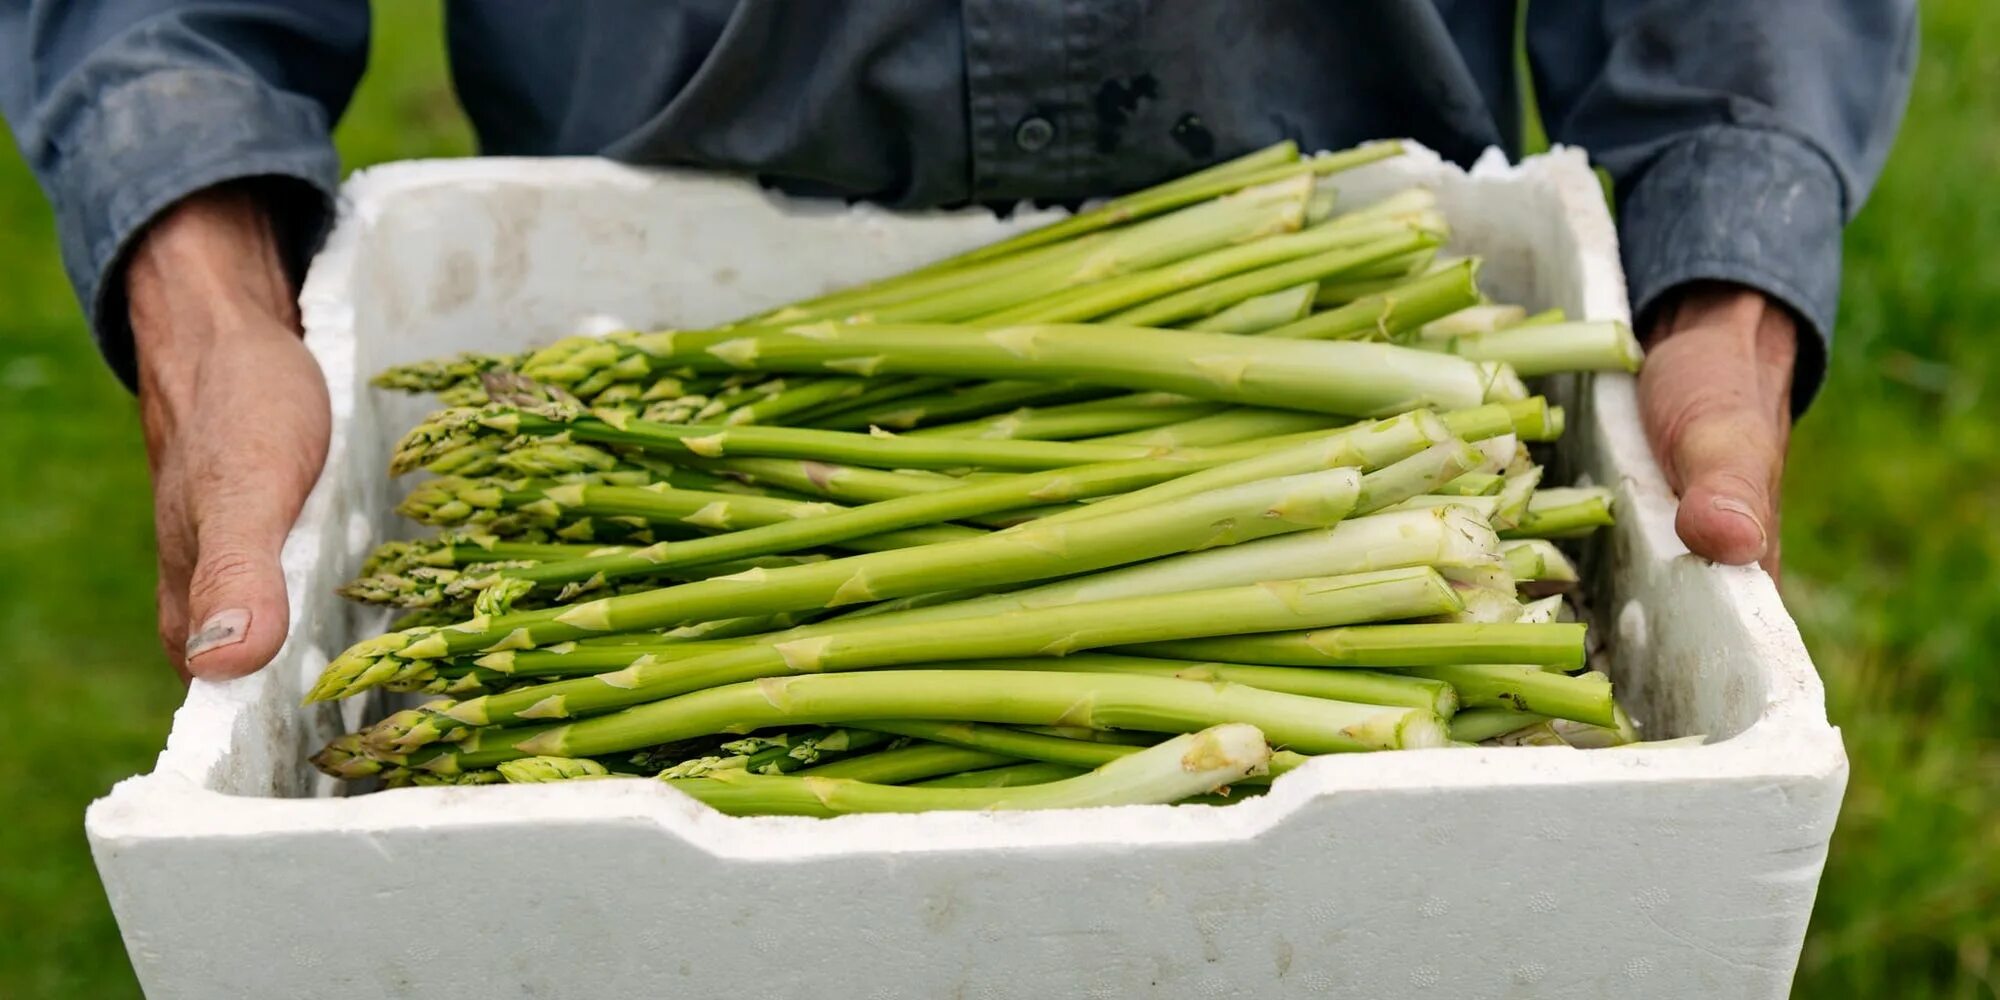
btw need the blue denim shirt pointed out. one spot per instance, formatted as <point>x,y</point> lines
<point>1740,135</point>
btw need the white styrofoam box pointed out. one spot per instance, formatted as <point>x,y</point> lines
<point>1467,873</point>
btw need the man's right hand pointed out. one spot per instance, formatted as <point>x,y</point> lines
<point>236,419</point>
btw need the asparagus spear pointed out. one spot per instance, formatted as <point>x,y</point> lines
<point>1230,426</point>
<point>961,401</point>
<point>1262,312</point>
<point>1442,538</point>
<point>1030,552</point>
<point>1558,644</point>
<point>910,763</point>
<point>1108,701</point>
<point>797,399</point>
<point>447,431</point>
<point>1345,377</point>
<point>1526,688</point>
<point>1535,559</point>
<point>1060,423</point>
<point>1204,300</point>
<point>1364,687</point>
<point>896,522</point>
<point>1260,167</point>
<point>1544,349</point>
<point>538,770</point>
<point>1243,217</point>
<point>1014,741</point>
<point>1473,319</point>
<point>1564,513</point>
<point>1388,314</point>
<point>782,756</point>
<point>1332,248</point>
<point>1004,776</point>
<point>1477,725</point>
<point>1389,594</point>
<point>1176,769</point>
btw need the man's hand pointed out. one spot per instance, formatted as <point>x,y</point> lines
<point>236,420</point>
<point>1716,392</point>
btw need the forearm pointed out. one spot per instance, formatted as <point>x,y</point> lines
<point>125,109</point>
<point>1740,138</point>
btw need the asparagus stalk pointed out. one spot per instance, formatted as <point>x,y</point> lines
<point>1231,426</point>
<point>1014,741</point>
<point>1345,377</point>
<point>1405,438</point>
<point>1515,495</point>
<point>1383,646</point>
<point>448,430</point>
<point>910,763</point>
<point>797,399</point>
<point>1484,507</point>
<point>1205,300</point>
<point>1365,687</point>
<point>1442,538</point>
<point>1538,560</point>
<point>1334,247</point>
<point>1388,314</point>
<point>1030,552</point>
<point>781,756</point>
<point>961,401</point>
<point>1009,741</point>
<point>1061,423</point>
<point>1105,701</point>
<point>540,770</point>
<point>1477,725</point>
<point>1473,319</point>
<point>1262,312</point>
<point>1260,167</point>
<point>1005,776</point>
<point>1563,513</point>
<point>1389,594</point>
<point>1176,769</point>
<point>1526,688</point>
<point>892,523</point>
<point>452,500</point>
<point>884,392</point>
<point>1240,218</point>
<point>1474,484</point>
<point>1545,349</point>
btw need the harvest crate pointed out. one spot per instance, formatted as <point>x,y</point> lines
<point>235,870</point>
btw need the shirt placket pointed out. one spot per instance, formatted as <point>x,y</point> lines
<point>1023,65</point>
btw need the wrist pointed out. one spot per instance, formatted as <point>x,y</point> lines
<point>1710,304</point>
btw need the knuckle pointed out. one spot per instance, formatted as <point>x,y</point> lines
<point>225,569</point>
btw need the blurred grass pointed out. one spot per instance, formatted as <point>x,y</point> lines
<point>1891,538</point>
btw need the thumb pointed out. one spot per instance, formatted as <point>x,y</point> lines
<point>236,595</point>
<point>1728,465</point>
<point>259,450</point>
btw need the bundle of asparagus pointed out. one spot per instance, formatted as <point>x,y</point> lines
<point>1149,505</point>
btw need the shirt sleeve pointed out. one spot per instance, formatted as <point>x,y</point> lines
<point>122,107</point>
<point>1740,137</point>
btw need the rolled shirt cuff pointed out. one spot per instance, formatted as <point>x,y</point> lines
<point>1750,206</point>
<point>160,136</point>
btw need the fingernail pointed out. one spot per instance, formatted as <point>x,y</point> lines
<point>223,628</point>
<point>1741,509</point>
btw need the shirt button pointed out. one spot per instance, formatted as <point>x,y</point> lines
<point>1033,133</point>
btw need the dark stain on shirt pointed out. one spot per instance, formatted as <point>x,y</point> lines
<point>1116,101</point>
<point>1194,137</point>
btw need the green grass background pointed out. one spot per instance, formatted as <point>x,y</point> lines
<point>1891,535</point>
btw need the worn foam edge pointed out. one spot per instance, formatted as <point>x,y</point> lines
<point>217,742</point>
